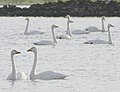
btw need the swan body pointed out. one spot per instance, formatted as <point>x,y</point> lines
<point>14,75</point>
<point>98,41</point>
<point>46,42</point>
<point>95,29</point>
<point>79,32</point>
<point>20,76</point>
<point>68,34</point>
<point>63,36</point>
<point>47,75</point>
<point>32,32</point>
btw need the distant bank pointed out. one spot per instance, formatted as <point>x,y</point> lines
<point>79,8</point>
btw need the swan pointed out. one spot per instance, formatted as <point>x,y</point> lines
<point>102,41</point>
<point>76,32</point>
<point>68,31</point>
<point>68,35</point>
<point>15,76</point>
<point>95,29</point>
<point>47,75</point>
<point>47,42</point>
<point>32,32</point>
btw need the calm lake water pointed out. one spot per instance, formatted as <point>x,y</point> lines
<point>90,68</point>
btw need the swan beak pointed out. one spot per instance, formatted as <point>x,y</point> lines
<point>86,30</point>
<point>56,27</point>
<point>29,50</point>
<point>112,26</point>
<point>27,19</point>
<point>18,52</point>
<point>71,21</point>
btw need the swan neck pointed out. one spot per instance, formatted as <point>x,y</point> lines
<point>68,28</point>
<point>109,36</point>
<point>34,65</point>
<point>13,66</point>
<point>54,37</point>
<point>68,32</point>
<point>26,30</point>
<point>103,27</point>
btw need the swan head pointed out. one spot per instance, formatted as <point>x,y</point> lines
<point>110,25</point>
<point>13,52</point>
<point>27,18</point>
<point>103,18</point>
<point>67,16</point>
<point>54,26</point>
<point>32,49</point>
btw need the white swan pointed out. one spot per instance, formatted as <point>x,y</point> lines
<point>47,42</point>
<point>68,34</point>
<point>95,29</point>
<point>15,76</point>
<point>102,41</point>
<point>47,75</point>
<point>32,32</point>
<point>76,32</point>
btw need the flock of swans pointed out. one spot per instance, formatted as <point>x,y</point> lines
<point>47,75</point>
<point>50,75</point>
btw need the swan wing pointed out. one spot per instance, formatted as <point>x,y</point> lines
<point>96,42</point>
<point>44,42</point>
<point>50,75</point>
<point>21,76</point>
<point>79,32</point>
